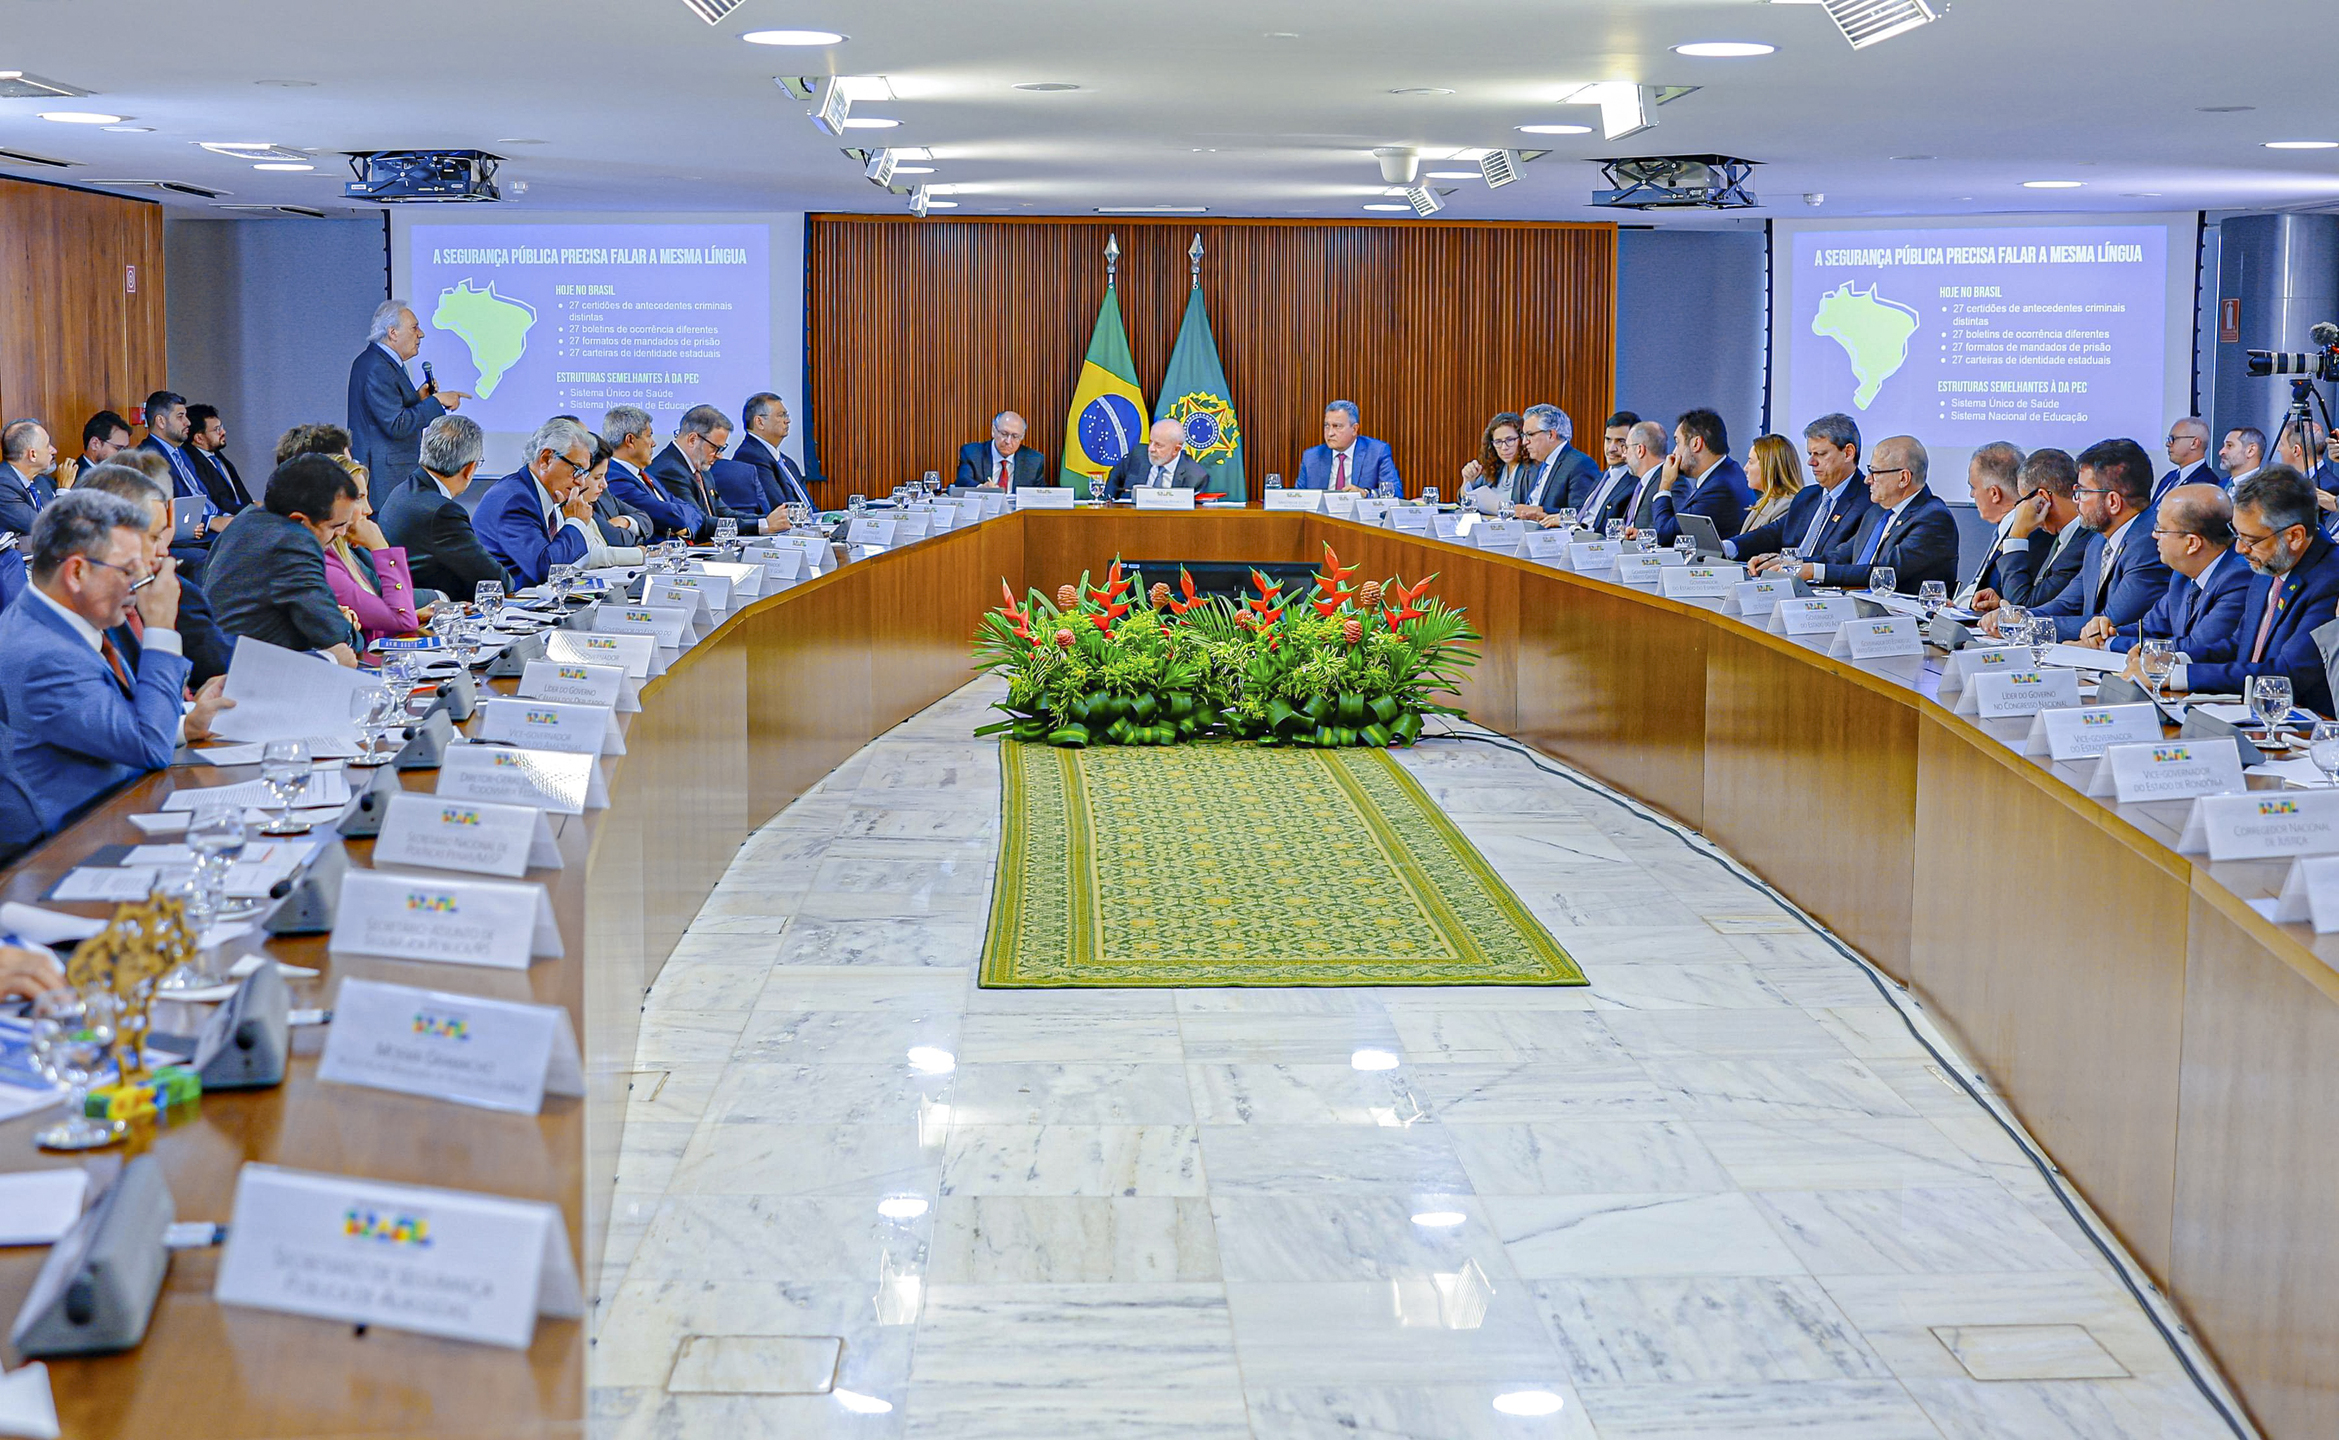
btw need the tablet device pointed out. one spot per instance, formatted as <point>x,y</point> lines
<point>1701,529</point>
<point>187,517</point>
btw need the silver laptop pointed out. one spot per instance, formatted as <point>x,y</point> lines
<point>187,517</point>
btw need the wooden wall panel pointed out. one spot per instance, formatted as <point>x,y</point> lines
<point>77,341</point>
<point>920,331</point>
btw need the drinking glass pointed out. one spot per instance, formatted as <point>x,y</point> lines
<point>1388,490</point>
<point>284,770</point>
<point>1565,515</point>
<point>72,1032</point>
<point>727,533</point>
<point>369,710</point>
<point>932,480</point>
<point>2270,702</point>
<point>488,595</point>
<point>2042,639</point>
<point>1933,594</point>
<point>1429,495</point>
<point>2323,749</point>
<point>2010,619</point>
<point>217,834</point>
<point>2156,658</point>
<point>1882,580</point>
<point>1686,545</point>
<point>1614,528</point>
<point>1274,482</point>
<point>858,504</point>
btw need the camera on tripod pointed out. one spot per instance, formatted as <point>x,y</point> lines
<point>2320,364</point>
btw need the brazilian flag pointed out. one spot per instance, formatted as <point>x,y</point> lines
<point>1108,410</point>
<point>1194,394</point>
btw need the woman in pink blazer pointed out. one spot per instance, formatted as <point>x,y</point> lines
<point>368,574</point>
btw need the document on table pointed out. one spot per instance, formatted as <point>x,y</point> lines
<point>325,787</point>
<point>37,1207</point>
<point>2079,657</point>
<point>283,694</point>
<point>321,747</point>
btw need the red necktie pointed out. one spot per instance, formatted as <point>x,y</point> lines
<point>1340,471</point>
<point>1004,482</point>
<point>105,645</point>
<point>137,624</point>
<point>2266,622</point>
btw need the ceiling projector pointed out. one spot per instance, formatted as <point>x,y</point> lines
<point>412,177</point>
<point>1677,182</point>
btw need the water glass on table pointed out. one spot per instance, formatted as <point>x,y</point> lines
<point>2270,701</point>
<point>932,480</point>
<point>284,770</point>
<point>1566,516</point>
<point>488,596</point>
<point>1429,496</point>
<point>1932,594</point>
<point>1274,482</point>
<point>857,504</point>
<point>2156,659</point>
<point>1613,528</point>
<point>72,1033</point>
<point>1882,580</point>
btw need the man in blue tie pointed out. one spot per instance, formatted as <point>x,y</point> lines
<point>1348,459</point>
<point>2274,515</point>
<point>2121,577</point>
<point>77,718</point>
<point>2201,611</point>
<point>1825,512</point>
<point>167,432</point>
<point>537,516</point>
<point>2188,455</point>
<point>1907,528</point>
<point>24,454</point>
<point>765,420</point>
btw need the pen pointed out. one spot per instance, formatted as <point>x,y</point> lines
<point>138,585</point>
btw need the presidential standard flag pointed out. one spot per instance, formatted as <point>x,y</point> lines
<point>1108,410</point>
<point>1194,394</point>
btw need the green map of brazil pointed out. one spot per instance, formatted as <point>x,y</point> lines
<point>1873,331</point>
<point>494,327</point>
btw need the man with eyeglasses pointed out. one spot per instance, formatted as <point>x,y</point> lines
<point>537,516</point>
<point>1908,528</point>
<point>1557,474</point>
<point>2121,576</point>
<point>77,717</point>
<point>2201,611</point>
<point>270,578</point>
<point>2297,591</point>
<point>2188,451</point>
<point>681,471</point>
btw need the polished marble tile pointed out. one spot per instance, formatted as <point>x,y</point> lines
<point>1500,1037</point>
<point>2029,1352</point>
<point>697,986</point>
<point>781,1159</point>
<point>1704,1330</point>
<point>928,821</point>
<point>771,1238</point>
<point>1614,1088</point>
<point>1947,1228</point>
<point>887,941</point>
<point>1023,1412</point>
<point>1060,1240</point>
<point>1820,1410</point>
<point>1365,1411</point>
<point>649,1152</point>
<point>1442,1328</point>
<point>923,988</point>
<point>781,1094</point>
<point>1768,1032</point>
<point>847,1037</point>
<point>2068,1410</point>
<point>1842,1154</point>
<point>1327,1000</point>
<point>1242,1093</point>
<point>1266,1159</point>
<point>1092,1160</point>
<point>662,1093</point>
<point>1256,1037</point>
<point>1118,1003</point>
<point>648,1318</point>
<point>1799,1087</point>
<point>1564,1157</point>
<point>1871,1032</point>
<point>1171,1337</point>
<point>1071,1093</point>
<point>1902,1315</point>
<point>1326,1238</point>
<point>648,1414</point>
<point>1551,1236</point>
<point>1145,1037</point>
<point>1717,985</point>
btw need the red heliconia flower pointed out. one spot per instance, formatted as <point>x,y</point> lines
<point>1404,608</point>
<point>1352,631</point>
<point>1063,639</point>
<point>1067,596</point>
<point>1022,621</point>
<point>1185,583</point>
<point>1106,593</point>
<point>1104,623</point>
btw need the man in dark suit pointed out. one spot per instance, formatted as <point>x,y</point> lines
<point>2187,445</point>
<point>1824,513</point>
<point>1632,497</point>
<point>167,432</point>
<point>206,646</point>
<point>77,719</point>
<point>537,516</point>
<point>1348,460</point>
<point>633,442</point>
<point>2274,528</point>
<point>207,448</point>
<point>765,418</point>
<point>425,517</point>
<point>2209,585</point>
<point>387,411</point>
<point>2046,537</point>
<point>1907,527</point>
<point>1717,487</point>
<point>104,436</point>
<point>1558,474</point>
<point>1162,464</point>
<point>24,454</point>
<point>1003,462</point>
<point>681,471</point>
<point>1993,476</point>
<point>268,567</point>
<point>2122,576</point>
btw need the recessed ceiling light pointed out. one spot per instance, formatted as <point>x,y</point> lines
<point>869,122</point>
<point>2302,144</point>
<point>942,204</point>
<point>82,117</point>
<point>1555,129</point>
<point>2223,109</point>
<point>288,84</point>
<point>131,129</point>
<point>2052,184</point>
<point>517,142</point>
<point>1724,49</point>
<point>793,37</point>
<point>1533,1402</point>
<point>1916,157</point>
<point>1422,90</point>
<point>281,165</point>
<point>2140,195</point>
<point>1451,174</point>
<point>1440,1219</point>
<point>1283,34</point>
<point>1047,87</point>
<point>1152,209</point>
<point>225,147</point>
<point>913,169</point>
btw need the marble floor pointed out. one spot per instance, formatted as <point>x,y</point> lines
<point>1719,1192</point>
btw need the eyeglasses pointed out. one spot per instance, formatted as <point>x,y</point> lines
<point>2086,490</point>
<point>2248,541</point>
<point>110,565</point>
<point>575,467</point>
<point>1877,470</point>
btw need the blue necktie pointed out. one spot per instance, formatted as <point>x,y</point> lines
<point>1875,540</point>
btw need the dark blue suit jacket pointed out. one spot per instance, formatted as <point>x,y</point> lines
<point>1371,462</point>
<point>207,647</point>
<point>974,466</point>
<point>671,472</point>
<point>741,486</point>
<point>186,480</point>
<point>2050,571</point>
<point>13,576</point>
<point>2305,599</point>
<point>510,524</point>
<point>19,503</point>
<point>386,414</point>
<point>2206,624</point>
<point>1920,546</point>
<point>635,489</point>
<point>1721,495</point>
<point>72,735</point>
<point>1573,477</point>
<point>2137,582</point>
<point>1843,522</point>
<point>782,483</point>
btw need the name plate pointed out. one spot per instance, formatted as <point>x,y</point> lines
<point>780,568</point>
<point>1341,504</point>
<point>551,725</point>
<point>1154,497</point>
<point>1878,639</point>
<point>2263,825</point>
<point>870,530</point>
<point>668,623</point>
<point>1045,497</point>
<point>449,1263</point>
<point>746,580</point>
<point>2085,734</point>
<point>1963,665</point>
<point>1412,519</point>
<point>2309,892</point>
<point>495,1054</point>
<point>443,833</point>
<point>1288,499</point>
<point>1644,569</point>
<point>549,780</point>
<point>1812,614</point>
<point>493,923</point>
<point>1545,547</point>
<point>583,683</point>
<point>1750,598</point>
<point>1373,512</point>
<point>1697,582</point>
<point>636,655</point>
<point>814,547</point>
<point>2007,694</point>
<point>1446,527</point>
<point>971,510</point>
<point>1593,557</point>
<point>909,525</point>
<point>709,595</point>
<point>2167,770</point>
<point>1503,535</point>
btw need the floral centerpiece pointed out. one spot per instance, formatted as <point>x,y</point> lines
<point>1123,664</point>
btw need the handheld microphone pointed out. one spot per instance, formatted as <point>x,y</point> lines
<point>429,381</point>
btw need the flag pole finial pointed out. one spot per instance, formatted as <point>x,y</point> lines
<point>1112,257</point>
<point>1194,254</point>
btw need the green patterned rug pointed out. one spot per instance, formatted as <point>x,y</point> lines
<point>1227,864</point>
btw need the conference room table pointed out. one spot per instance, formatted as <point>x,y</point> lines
<point>2176,1053</point>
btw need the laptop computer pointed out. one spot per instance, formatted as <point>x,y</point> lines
<point>187,513</point>
<point>1703,531</point>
